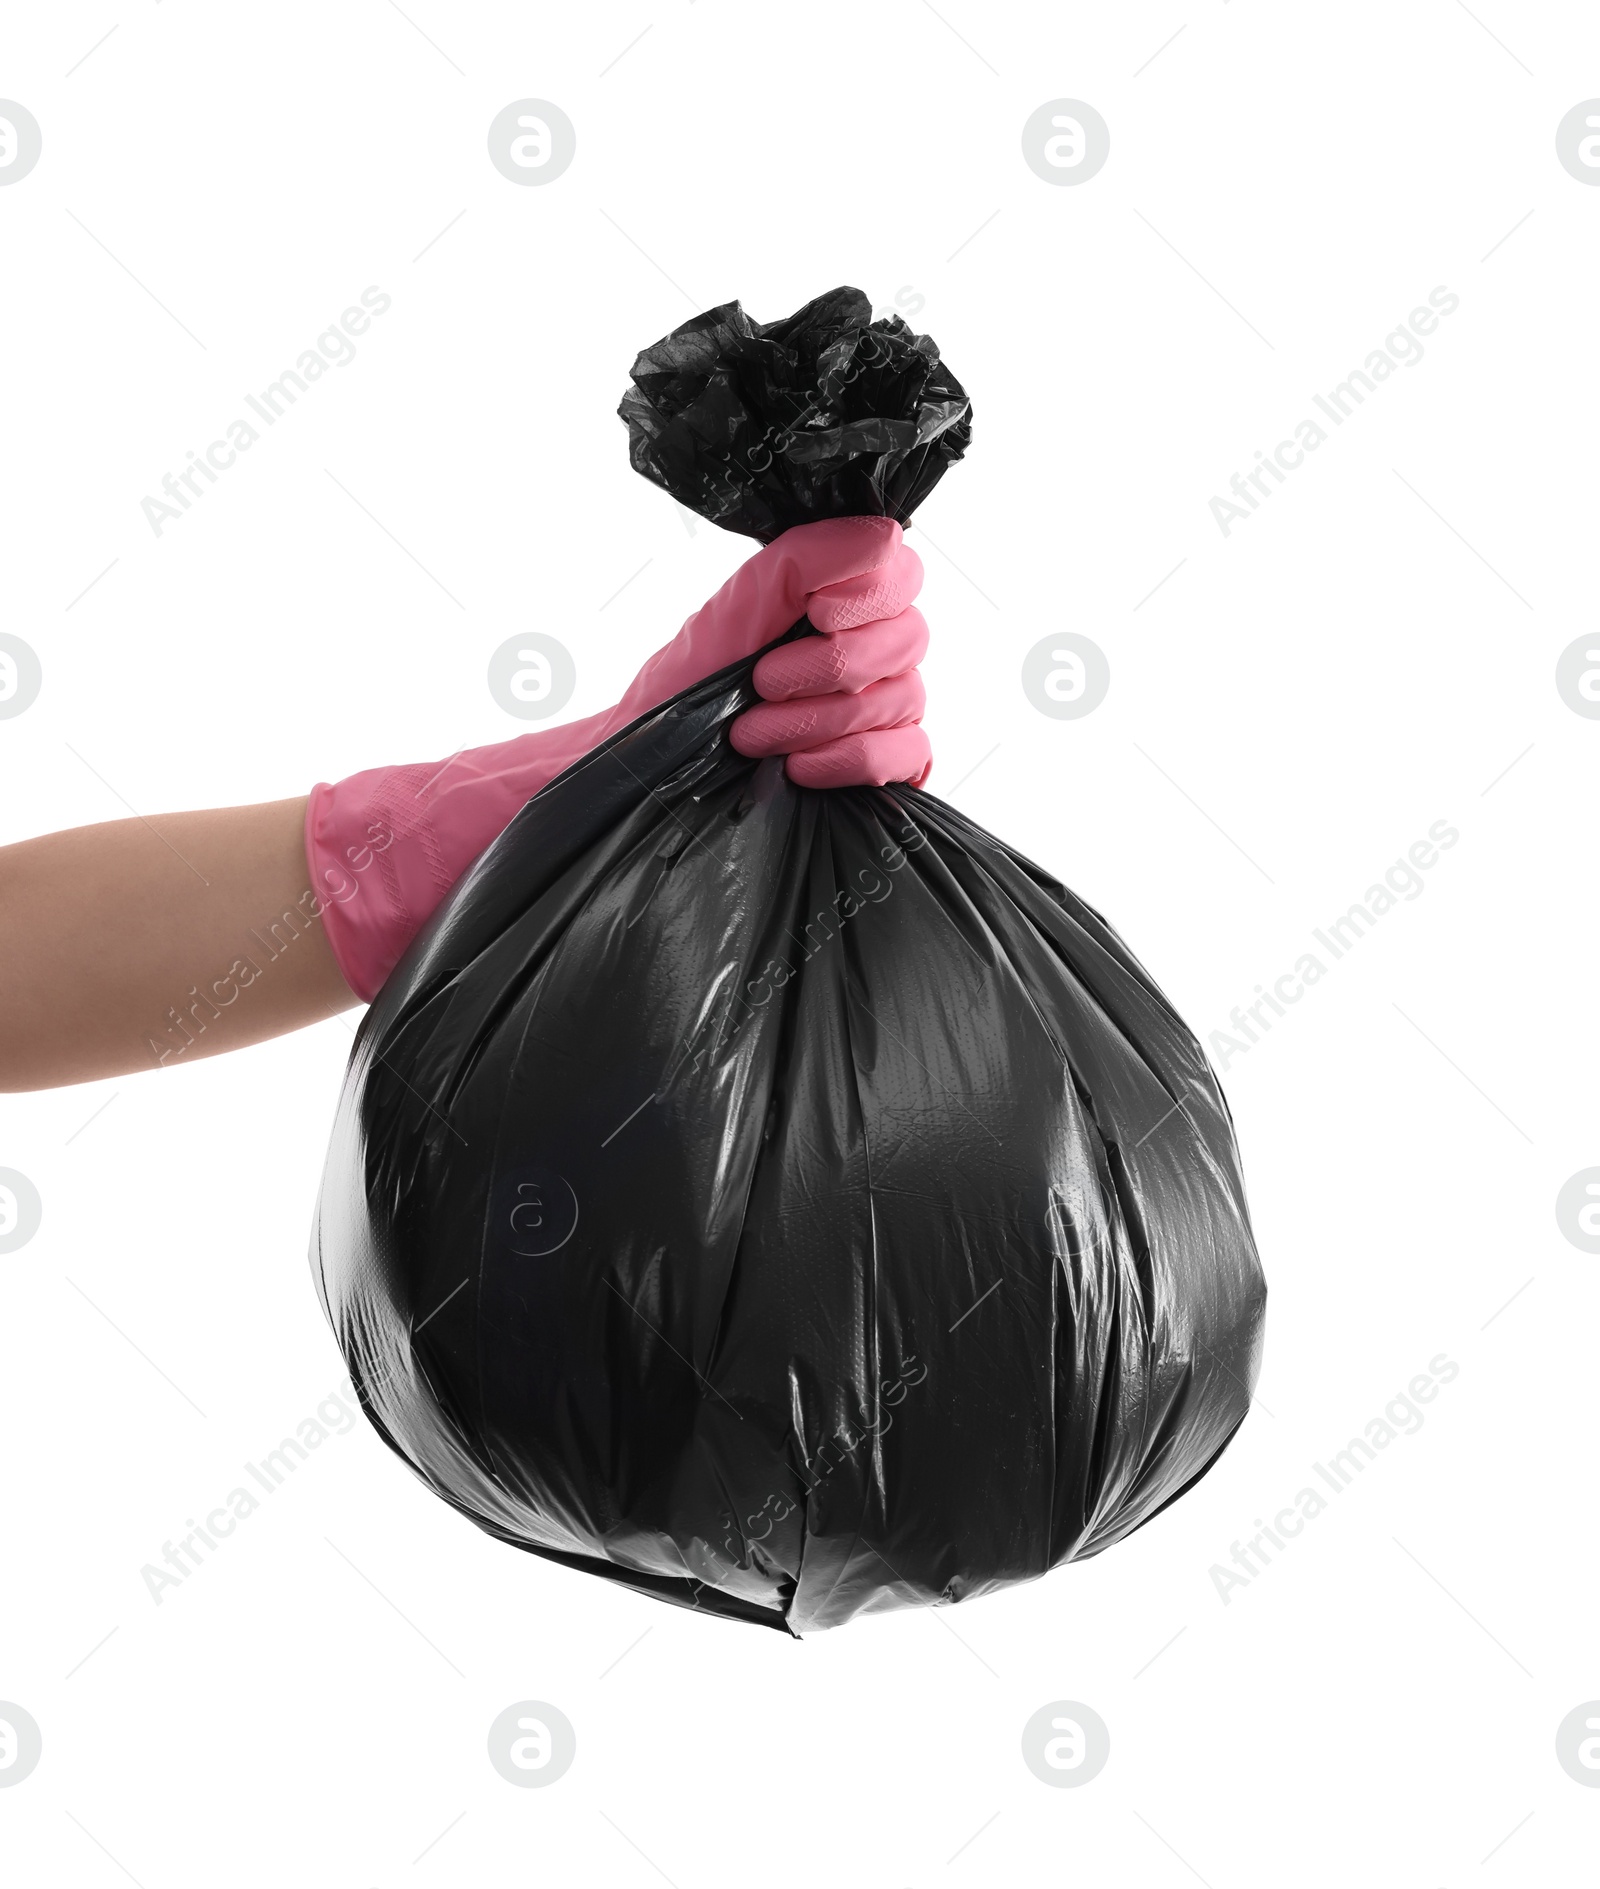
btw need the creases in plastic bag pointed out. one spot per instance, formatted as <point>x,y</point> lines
<point>791,1205</point>
<point>823,415</point>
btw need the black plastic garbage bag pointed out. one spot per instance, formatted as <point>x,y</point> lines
<point>792,1204</point>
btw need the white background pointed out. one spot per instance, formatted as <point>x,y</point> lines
<point>1285,184</point>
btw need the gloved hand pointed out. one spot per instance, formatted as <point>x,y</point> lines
<point>386,845</point>
<point>845,705</point>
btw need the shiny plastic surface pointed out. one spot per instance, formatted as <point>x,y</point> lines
<point>790,1203</point>
<point>829,414</point>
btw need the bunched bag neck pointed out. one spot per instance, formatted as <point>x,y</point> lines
<point>826,414</point>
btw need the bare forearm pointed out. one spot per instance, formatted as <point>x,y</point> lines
<point>143,944</point>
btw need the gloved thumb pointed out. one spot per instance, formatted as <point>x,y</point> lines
<point>762,599</point>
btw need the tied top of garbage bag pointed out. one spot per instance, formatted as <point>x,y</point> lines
<point>792,1205</point>
<point>828,414</point>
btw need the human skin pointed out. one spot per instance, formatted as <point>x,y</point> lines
<point>151,943</point>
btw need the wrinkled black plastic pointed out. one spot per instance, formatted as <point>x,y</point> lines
<point>825,415</point>
<point>790,1204</point>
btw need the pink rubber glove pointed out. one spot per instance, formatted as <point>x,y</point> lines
<point>386,845</point>
<point>845,706</point>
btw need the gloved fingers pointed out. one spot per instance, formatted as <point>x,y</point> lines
<point>764,597</point>
<point>868,760</point>
<point>808,558</point>
<point>848,661</point>
<point>818,720</point>
<point>881,592</point>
